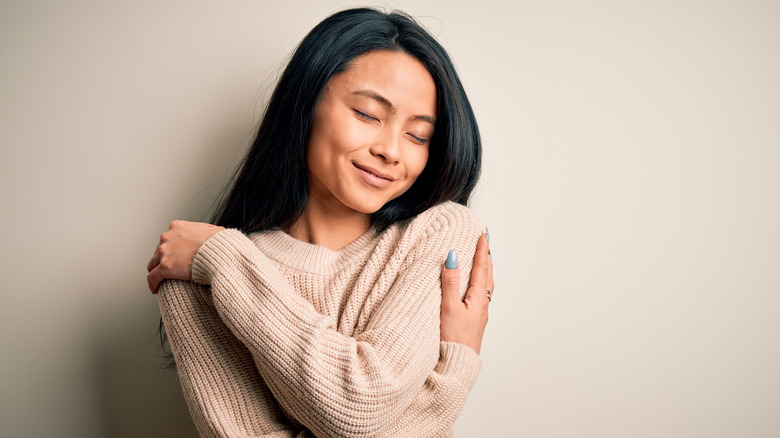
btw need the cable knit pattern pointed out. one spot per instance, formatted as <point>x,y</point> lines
<point>296,338</point>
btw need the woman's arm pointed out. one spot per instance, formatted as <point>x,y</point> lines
<point>210,359</point>
<point>268,302</point>
<point>225,393</point>
<point>333,383</point>
<point>463,321</point>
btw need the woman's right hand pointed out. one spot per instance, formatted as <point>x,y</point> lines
<point>173,257</point>
<point>463,321</point>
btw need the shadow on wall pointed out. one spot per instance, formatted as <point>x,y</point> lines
<point>137,397</point>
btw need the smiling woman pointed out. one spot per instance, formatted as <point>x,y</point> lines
<point>318,301</point>
<point>368,141</point>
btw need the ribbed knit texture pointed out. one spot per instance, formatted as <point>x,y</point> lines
<point>296,339</point>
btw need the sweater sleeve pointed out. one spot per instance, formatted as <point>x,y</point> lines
<point>221,385</point>
<point>335,385</point>
<point>437,406</point>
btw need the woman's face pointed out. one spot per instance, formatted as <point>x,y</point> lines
<point>371,130</point>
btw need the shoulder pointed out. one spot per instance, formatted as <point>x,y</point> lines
<point>447,225</point>
<point>447,217</point>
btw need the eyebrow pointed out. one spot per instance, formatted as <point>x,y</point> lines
<point>389,105</point>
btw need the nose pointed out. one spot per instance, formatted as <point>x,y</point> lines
<point>387,146</point>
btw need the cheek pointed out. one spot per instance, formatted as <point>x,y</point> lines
<point>354,134</point>
<point>328,145</point>
<point>417,161</point>
<point>315,151</point>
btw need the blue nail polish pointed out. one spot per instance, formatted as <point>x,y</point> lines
<point>452,260</point>
<point>487,233</point>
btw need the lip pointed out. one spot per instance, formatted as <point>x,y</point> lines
<point>373,176</point>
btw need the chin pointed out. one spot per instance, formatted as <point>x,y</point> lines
<point>368,208</point>
<point>368,201</point>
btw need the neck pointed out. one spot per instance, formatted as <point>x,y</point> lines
<point>332,228</point>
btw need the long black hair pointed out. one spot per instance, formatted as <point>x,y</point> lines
<point>271,186</point>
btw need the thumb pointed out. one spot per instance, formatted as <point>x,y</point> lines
<point>450,279</point>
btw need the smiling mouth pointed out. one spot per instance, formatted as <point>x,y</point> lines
<point>374,172</point>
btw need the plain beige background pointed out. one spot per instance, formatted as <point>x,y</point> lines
<point>631,185</point>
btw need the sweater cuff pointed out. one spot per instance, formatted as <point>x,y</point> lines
<point>220,250</point>
<point>459,361</point>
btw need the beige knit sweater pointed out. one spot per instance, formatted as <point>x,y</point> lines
<point>293,338</point>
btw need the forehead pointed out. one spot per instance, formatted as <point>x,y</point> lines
<point>397,76</point>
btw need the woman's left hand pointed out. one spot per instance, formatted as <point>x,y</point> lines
<point>177,248</point>
<point>463,321</point>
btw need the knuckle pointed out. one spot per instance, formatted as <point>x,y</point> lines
<point>450,280</point>
<point>165,264</point>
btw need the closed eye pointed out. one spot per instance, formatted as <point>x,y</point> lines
<point>417,139</point>
<point>364,116</point>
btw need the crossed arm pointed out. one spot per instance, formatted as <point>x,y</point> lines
<point>209,356</point>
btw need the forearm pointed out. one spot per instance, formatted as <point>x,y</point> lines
<point>438,404</point>
<point>336,385</point>
<point>225,393</point>
<point>357,375</point>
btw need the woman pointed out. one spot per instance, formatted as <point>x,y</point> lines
<point>314,303</point>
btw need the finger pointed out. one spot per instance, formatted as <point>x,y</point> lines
<point>490,284</point>
<point>179,223</point>
<point>478,282</point>
<point>481,259</point>
<point>154,278</point>
<point>450,279</point>
<point>154,261</point>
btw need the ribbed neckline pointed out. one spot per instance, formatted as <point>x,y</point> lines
<point>309,257</point>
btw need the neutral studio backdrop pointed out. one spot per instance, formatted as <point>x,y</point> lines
<point>631,185</point>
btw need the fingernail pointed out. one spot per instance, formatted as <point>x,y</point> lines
<point>452,260</point>
<point>487,232</point>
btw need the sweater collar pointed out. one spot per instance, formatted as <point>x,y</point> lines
<point>309,257</point>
